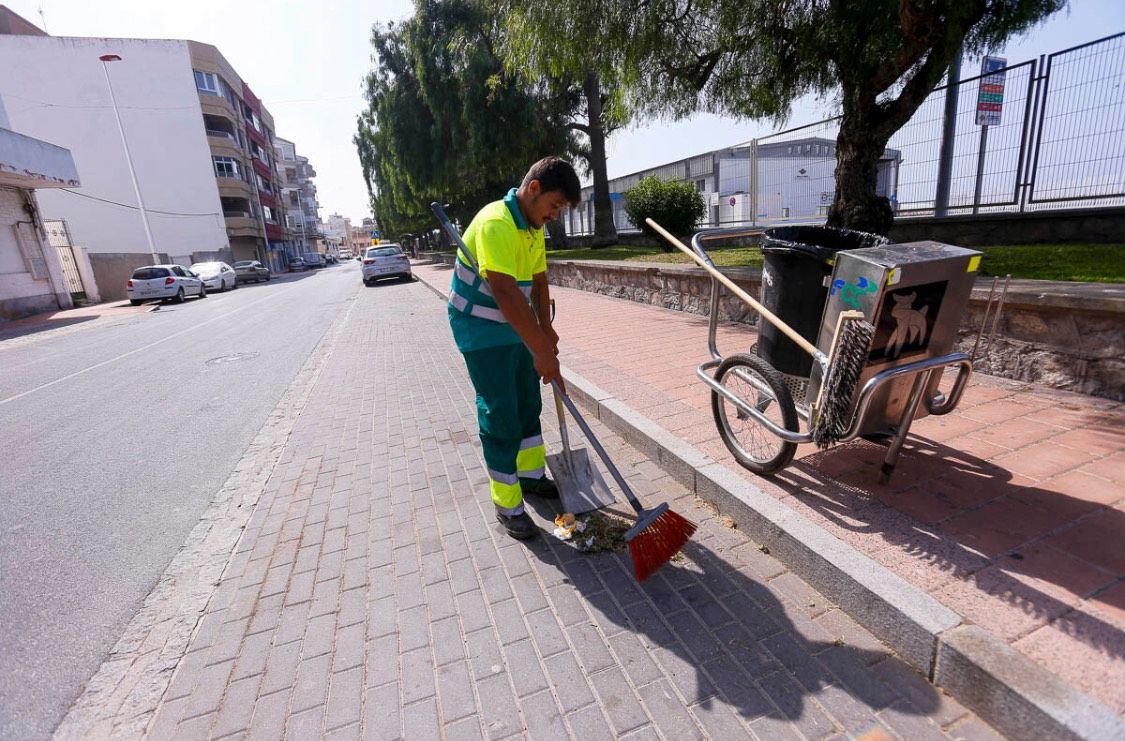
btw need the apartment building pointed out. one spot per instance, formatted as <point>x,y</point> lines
<point>240,135</point>
<point>298,195</point>
<point>338,230</point>
<point>360,239</point>
<point>176,151</point>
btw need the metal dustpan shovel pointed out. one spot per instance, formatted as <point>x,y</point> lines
<point>580,483</point>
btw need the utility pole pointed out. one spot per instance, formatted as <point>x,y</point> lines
<point>105,59</point>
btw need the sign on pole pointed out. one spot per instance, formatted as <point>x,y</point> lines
<point>990,97</point>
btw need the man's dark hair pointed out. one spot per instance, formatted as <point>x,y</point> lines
<point>555,173</point>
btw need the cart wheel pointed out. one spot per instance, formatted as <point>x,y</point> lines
<point>758,383</point>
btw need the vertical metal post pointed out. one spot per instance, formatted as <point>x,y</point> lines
<point>948,134</point>
<point>753,182</point>
<point>1025,135</point>
<point>980,166</point>
<point>1043,91</point>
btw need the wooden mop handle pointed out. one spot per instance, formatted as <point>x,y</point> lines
<point>766,313</point>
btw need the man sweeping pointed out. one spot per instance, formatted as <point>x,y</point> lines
<point>501,322</point>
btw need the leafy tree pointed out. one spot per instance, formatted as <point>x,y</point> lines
<point>754,58</point>
<point>677,206</point>
<point>446,121</point>
<point>534,47</point>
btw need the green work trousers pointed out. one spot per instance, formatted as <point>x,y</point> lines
<point>508,409</point>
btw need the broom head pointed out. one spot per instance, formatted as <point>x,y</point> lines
<point>658,535</point>
<point>846,360</point>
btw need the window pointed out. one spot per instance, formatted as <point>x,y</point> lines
<point>177,270</point>
<point>269,213</point>
<point>206,82</point>
<point>150,273</point>
<point>227,93</point>
<point>261,182</point>
<point>227,167</point>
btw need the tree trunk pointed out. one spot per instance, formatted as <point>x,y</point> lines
<point>856,204</point>
<point>558,235</point>
<point>605,232</point>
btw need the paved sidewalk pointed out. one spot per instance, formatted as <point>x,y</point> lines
<point>1010,510</point>
<point>53,323</point>
<point>372,595</point>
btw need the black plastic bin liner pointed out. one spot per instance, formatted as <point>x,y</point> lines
<point>798,259</point>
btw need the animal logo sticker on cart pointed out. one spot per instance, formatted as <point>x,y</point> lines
<point>910,323</point>
<point>906,321</point>
<point>850,294</point>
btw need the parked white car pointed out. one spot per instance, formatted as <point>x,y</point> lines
<point>216,275</point>
<point>385,261</point>
<point>161,282</point>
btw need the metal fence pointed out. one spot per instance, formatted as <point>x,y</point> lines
<point>1056,141</point>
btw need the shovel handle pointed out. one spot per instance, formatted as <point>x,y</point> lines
<point>597,446</point>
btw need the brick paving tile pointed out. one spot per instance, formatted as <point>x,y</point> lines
<point>1059,439</point>
<point>405,610</point>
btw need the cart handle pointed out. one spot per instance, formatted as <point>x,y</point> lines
<point>766,313</point>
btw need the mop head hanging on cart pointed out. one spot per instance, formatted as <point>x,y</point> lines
<point>832,414</point>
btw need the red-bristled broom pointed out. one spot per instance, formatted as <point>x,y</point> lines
<point>659,533</point>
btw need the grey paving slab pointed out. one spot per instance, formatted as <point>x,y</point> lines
<point>407,611</point>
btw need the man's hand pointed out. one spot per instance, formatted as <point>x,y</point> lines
<point>547,366</point>
<point>553,336</point>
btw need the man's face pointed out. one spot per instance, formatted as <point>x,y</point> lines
<point>544,207</point>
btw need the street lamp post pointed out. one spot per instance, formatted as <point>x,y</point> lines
<point>105,58</point>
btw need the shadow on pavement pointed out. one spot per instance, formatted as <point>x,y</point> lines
<point>40,325</point>
<point>966,516</point>
<point>723,637</point>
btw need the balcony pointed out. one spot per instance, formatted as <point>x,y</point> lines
<point>242,225</point>
<point>232,187</point>
<point>216,105</point>
<point>224,146</point>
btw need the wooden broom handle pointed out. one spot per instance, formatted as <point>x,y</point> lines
<point>766,313</point>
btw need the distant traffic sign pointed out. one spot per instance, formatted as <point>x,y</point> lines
<point>990,96</point>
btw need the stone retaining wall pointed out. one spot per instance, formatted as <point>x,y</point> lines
<point>1067,336</point>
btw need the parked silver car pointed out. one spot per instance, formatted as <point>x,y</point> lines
<point>163,282</point>
<point>216,275</point>
<point>251,270</point>
<point>385,261</point>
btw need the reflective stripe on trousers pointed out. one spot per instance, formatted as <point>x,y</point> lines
<point>531,461</point>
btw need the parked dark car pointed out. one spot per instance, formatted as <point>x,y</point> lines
<point>251,270</point>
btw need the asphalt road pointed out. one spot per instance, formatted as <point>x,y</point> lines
<point>113,439</point>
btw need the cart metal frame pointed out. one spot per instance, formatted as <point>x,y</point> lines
<point>923,370</point>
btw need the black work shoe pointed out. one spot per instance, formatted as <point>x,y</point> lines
<point>518,526</point>
<point>543,488</point>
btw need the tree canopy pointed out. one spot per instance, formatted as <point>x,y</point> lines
<point>878,60</point>
<point>446,120</point>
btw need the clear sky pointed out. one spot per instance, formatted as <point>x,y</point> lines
<point>307,60</point>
